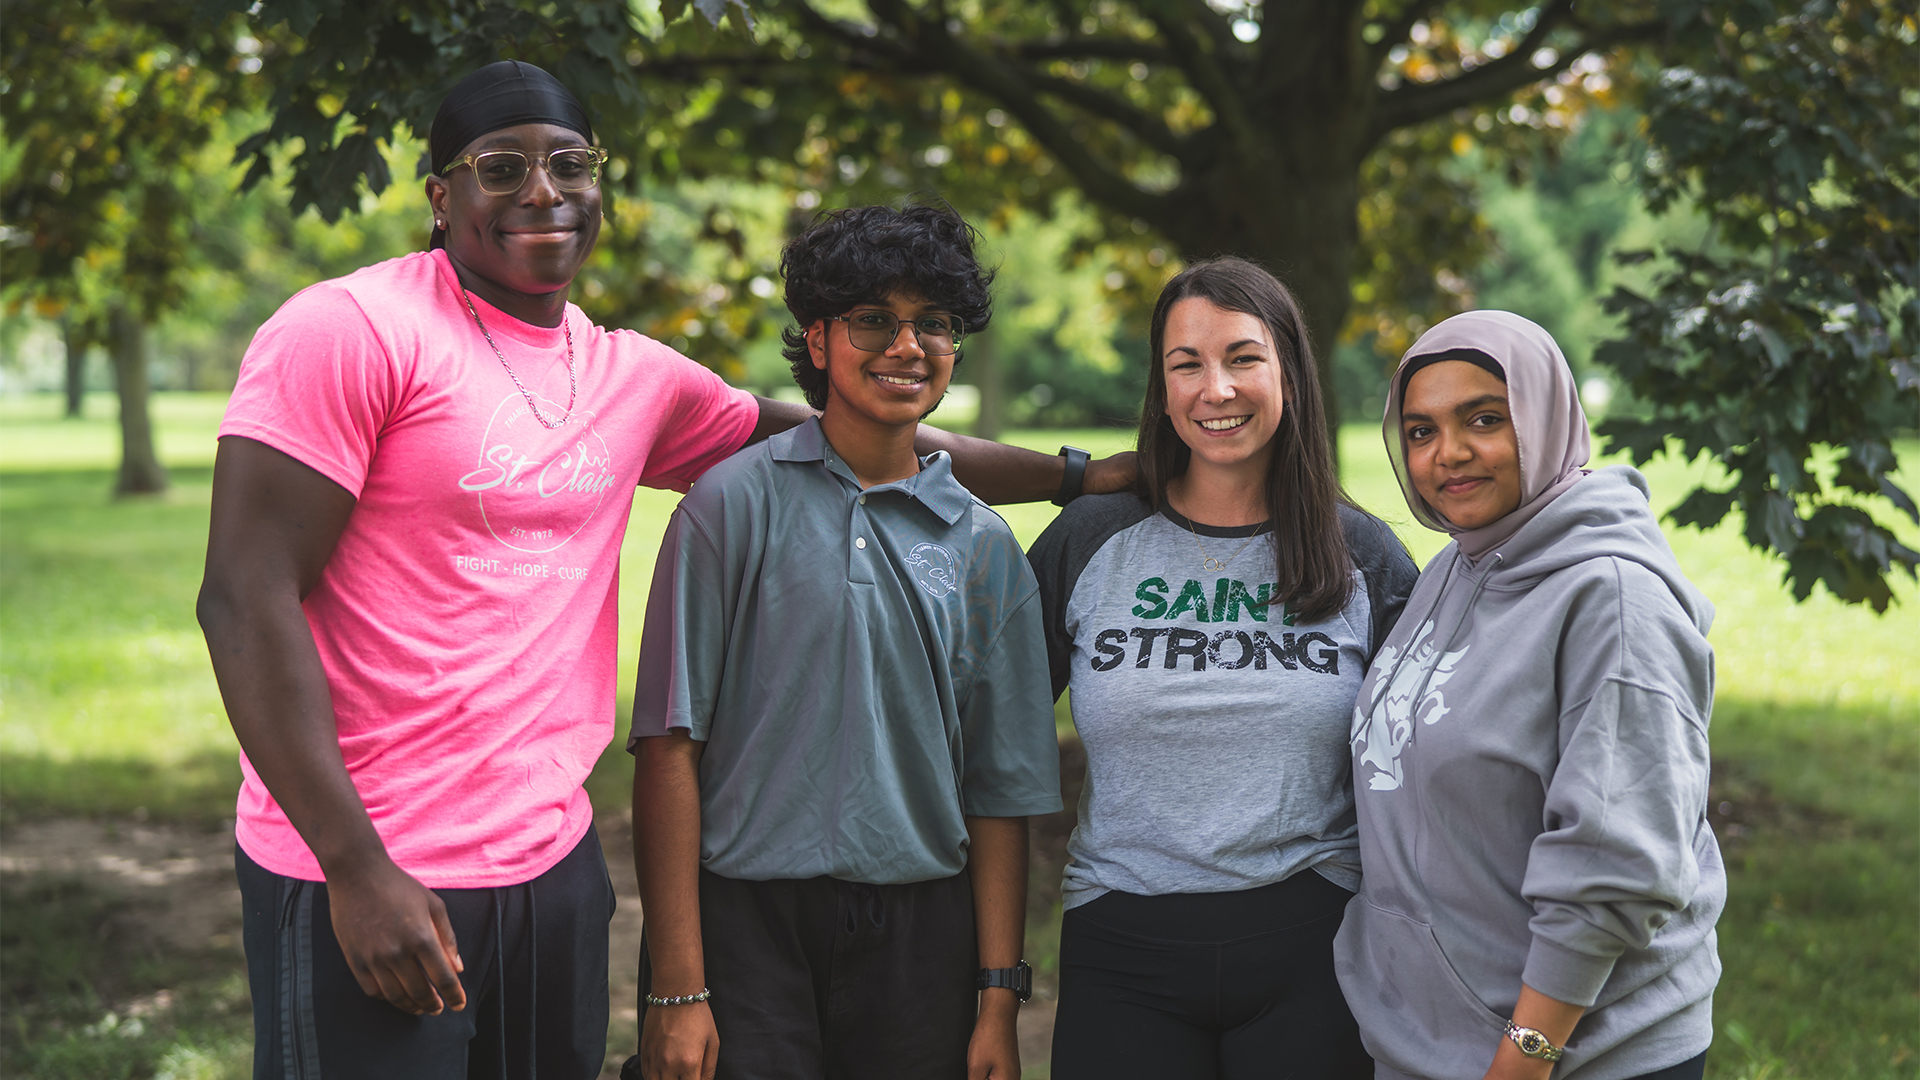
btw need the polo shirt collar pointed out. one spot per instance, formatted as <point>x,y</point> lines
<point>933,486</point>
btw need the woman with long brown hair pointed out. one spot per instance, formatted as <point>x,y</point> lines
<point>1214,626</point>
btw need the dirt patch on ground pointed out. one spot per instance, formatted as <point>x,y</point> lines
<point>1739,805</point>
<point>179,879</point>
<point>179,891</point>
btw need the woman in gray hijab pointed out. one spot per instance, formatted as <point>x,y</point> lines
<point>1540,884</point>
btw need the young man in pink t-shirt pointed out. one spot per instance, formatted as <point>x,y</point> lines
<point>410,599</point>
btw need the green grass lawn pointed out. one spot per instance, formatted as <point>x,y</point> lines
<point>108,708</point>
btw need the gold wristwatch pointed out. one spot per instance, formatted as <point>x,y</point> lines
<point>1533,1044</point>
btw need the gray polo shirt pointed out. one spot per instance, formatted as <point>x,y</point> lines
<point>867,668</point>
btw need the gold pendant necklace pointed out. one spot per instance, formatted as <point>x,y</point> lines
<point>1207,562</point>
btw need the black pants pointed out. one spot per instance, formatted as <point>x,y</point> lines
<point>1206,985</point>
<point>819,979</point>
<point>536,982</point>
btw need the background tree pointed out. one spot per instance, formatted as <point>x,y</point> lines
<point>1321,138</point>
<point>1214,128</point>
<point>106,106</point>
<point>1785,346</point>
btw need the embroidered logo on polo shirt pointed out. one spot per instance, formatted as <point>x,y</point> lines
<point>934,568</point>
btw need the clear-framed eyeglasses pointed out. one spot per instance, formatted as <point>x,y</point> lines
<point>874,331</point>
<point>505,172</point>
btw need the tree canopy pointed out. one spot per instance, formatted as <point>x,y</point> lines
<point>1321,139</point>
<point>1785,347</point>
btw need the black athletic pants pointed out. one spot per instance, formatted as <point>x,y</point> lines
<point>1206,985</point>
<point>536,982</point>
<point>820,979</point>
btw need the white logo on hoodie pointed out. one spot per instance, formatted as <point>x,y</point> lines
<point>1385,725</point>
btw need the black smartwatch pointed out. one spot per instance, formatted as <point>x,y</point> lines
<point>1074,479</point>
<point>1018,978</point>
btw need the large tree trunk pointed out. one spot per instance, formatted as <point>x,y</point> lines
<point>1303,228</point>
<point>78,342</point>
<point>140,469</point>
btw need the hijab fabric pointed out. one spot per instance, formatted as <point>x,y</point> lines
<point>500,95</point>
<point>1548,423</point>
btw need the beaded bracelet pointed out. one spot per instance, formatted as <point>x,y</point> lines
<point>684,999</point>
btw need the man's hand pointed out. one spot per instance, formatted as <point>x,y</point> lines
<point>1108,475</point>
<point>679,1042</point>
<point>397,940</point>
<point>996,472</point>
<point>994,1051</point>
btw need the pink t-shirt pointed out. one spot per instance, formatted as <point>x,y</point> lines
<point>467,620</point>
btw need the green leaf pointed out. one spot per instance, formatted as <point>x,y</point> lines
<point>1783,524</point>
<point>1899,498</point>
<point>1702,508</point>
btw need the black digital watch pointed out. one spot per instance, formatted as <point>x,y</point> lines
<point>1018,978</point>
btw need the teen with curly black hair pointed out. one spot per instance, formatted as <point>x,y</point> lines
<point>843,717</point>
<point>863,253</point>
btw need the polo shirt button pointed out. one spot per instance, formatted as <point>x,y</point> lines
<point>863,500</point>
<point>860,542</point>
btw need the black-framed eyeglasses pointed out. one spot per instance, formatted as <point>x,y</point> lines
<point>875,331</point>
<point>504,172</point>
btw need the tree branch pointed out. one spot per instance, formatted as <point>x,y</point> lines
<point>1147,127</point>
<point>1015,91</point>
<point>1416,103</point>
<point>1396,31</point>
<point>1078,48</point>
<point>865,51</point>
<point>1207,70</point>
<point>1199,14</point>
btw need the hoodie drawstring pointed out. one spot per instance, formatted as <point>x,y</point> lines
<point>1441,649</point>
<point>1439,595</point>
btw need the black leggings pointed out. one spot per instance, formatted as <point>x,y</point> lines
<point>1211,986</point>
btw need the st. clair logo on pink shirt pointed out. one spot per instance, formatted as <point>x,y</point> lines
<point>539,487</point>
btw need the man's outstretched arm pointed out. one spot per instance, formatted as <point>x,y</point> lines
<point>996,472</point>
<point>274,526</point>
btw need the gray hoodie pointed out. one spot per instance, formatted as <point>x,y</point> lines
<point>1530,766</point>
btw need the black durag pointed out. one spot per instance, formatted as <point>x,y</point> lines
<point>500,95</point>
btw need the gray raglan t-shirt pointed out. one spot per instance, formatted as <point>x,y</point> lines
<point>865,667</point>
<point>1215,719</point>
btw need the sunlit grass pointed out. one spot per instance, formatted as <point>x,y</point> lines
<point>35,435</point>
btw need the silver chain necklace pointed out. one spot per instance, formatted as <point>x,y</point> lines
<point>1207,562</point>
<point>573,386</point>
